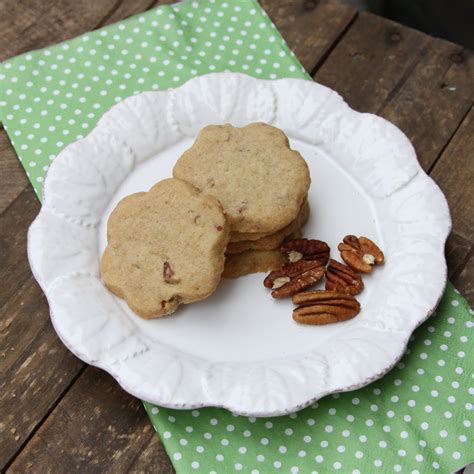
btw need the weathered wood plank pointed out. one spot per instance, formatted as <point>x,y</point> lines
<point>310,27</point>
<point>464,282</point>
<point>152,459</point>
<point>421,84</point>
<point>372,58</point>
<point>16,329</point>
<point>34,382</point>
<point>36,368</point>
<point>124,9</point>
<point>96,427</point>
<point>457,252</point>
<point>14,222</point>
<point>12,175</point>
<point>33,24</point>
<point>454,173</point>
<point>436,96</point>
<point>129,8</point>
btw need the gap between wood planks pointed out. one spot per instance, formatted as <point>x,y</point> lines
<point>44,417</point>
<point>323,58</point>
<point>435,162</point>
<point>455,276</point>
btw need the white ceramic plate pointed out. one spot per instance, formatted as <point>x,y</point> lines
<point>240,349</point>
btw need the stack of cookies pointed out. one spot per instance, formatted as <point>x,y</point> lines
<point>236,195</point>
<point>262,185</point>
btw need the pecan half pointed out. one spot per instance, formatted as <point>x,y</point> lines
<point>360,253</point>
<point>343,278</point>
<point>294,277</point>
<point>306,249</point>
<point>324,307</point>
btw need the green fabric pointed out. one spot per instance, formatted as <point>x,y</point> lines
<point>417,419</point>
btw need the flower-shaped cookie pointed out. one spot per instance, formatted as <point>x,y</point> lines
<point>165,247</point>
<point>252,171</point>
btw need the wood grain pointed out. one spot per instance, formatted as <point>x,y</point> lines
<point>36,377</point>
<point>152,459</point>
<point>36,368</point>
<point>457,251</point>
<point>464,282</point>
<point>371,60</point>
<point>454,173</point>
<point>13,178</point>
<point>433,100</point>
<point>310,27</point>
<point>96,427</point>
<point>33,24</point>
<point>16,329</point>
<point>128,8</point>
<point>14,222</point>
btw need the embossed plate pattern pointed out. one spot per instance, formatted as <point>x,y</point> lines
<point>240,349</point>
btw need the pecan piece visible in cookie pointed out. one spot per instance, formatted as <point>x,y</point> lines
<point>168,274</point>
<point>340,277</point>
<point>294,277</point>
<point>324,307</point>
<point>360,253</point>
<point>306,249</point>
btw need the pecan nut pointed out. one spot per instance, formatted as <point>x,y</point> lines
<point>360,253</point>
<point>340,277</point>
<point>306,249</point>
<point>324,307</point>
<point>294,277</point>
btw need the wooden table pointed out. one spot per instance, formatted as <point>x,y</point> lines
<point>59,415</point>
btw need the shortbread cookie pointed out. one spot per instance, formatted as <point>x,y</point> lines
<point>272,241</point>
<point>240,236</point>
<point>165,247</point>
<point>255,261</point>
<point>252,171</point>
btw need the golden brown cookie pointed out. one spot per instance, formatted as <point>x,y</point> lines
<point>252,171</point>
<point>272,241</point>
<point>253,261</point>
<point>240,236</point>
<point>165,247</point>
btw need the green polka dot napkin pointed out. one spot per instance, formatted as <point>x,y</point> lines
<point>417,419</point>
